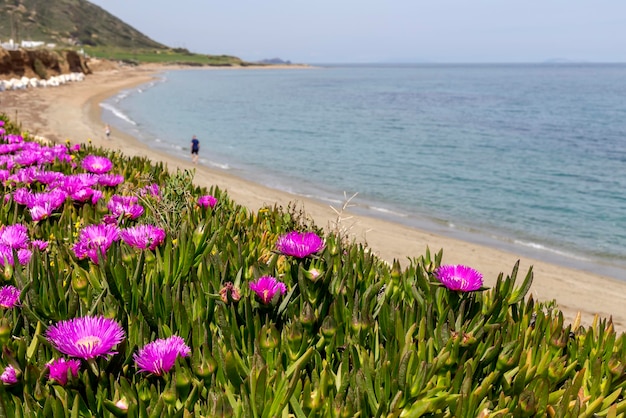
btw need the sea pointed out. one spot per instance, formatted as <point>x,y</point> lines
<point>529,158</point>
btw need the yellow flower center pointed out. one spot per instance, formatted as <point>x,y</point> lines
<point>88,342</point>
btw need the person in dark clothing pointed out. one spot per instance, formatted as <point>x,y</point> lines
<point>195,148</point>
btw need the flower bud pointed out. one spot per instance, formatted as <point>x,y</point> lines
<point>169,396</point>
<point>183,382</point>
<point>313,274</point>
<point>206,367</point>
<point>616,367</point>
<point>80,283</point>
<point>527,403</point>
<point>307,316</point>
<point>329,327</point>
<point>8,272</point>
<point>122,405</point>
<point>396,271</point>
<point>269,337</point>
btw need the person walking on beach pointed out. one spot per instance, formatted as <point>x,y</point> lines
<point>195,148</point>
<point>107,131</point>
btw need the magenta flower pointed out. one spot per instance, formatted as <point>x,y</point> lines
<point>159,356</point>
<point>150,190</point>
<point>266,288</point>
<point>9,296</point>
<point>143,236</point>
<point>94,240</point>
<point>125,206</point>
<point>41,245</point>
<point>58,369</point>
<point>87,337</point>
<point>97,164</point>
<point>41,205</point>
<point>9,375</point>
<point>110,180</point>
<point>6,255</point>
<point>459,277</point>
<point>299,244</point>
<point>14,236</point>
<point>207,201</point>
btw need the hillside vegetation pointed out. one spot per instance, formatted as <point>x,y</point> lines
<point>68,22</point>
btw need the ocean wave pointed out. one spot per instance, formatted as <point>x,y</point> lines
<point>117,113</point>
<point>540,247</point>
<point>387,211</point>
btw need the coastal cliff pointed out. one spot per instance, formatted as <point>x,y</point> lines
<point>41,63</point>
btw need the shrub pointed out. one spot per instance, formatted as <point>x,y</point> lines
<point>40,69</point>
<point>335,332</point>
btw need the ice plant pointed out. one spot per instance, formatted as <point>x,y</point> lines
<point>207,201</point>
<point>9,375</point>
<point>266,288</point>
<point>459,277</point>
<point>58,369</point>
<point>143,236</point>
<point>110,180</point>
<point>299,244</point>
<point>9,296</point>
<point>97,164</point>
<point>94,240</point>
<point>125,206</point>
<point>86,337</point>
<point>14,236</point>
<point>159,356</point>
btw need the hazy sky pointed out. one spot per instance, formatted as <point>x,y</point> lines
<point>358,31</point>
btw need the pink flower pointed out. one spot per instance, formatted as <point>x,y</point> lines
<point>94,240</point>
<point>110,180</point>
<point>125,206</point>
<point>9,296</point>
<point>41,245</point>
<point>266,288</point>
<point>207,201</point>
<point>97,164</point>
<point>6,255</point>
<point>159,356</point>
<point>87,337</point>
<point>150,190</point>
<point>9,375</point>
<point>299,244</point>
<point>143,236</point>
<point>459,277</point>
<point>59,368</point>
<point>14,236</point>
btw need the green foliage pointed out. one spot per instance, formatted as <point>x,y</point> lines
<point>67,22</point>
<point>161,56</point>
<point>40,69</point>
<point>360,338</point>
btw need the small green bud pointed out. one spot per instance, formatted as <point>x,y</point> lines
<point>269,337</point>
<point>307,316</point>
<point>80,283</point>
<point>616,367</point>
<point>329,327</point>
<point>169,396</point>
<point>206,367</point>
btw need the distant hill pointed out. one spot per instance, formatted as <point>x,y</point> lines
<point>274,61</point>
<point>68,22</point>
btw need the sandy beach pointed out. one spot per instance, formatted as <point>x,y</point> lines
<point>72,112</point>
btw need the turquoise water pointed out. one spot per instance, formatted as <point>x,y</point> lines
<point>529,158</point>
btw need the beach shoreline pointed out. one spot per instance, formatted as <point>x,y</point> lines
<point>73,112</point>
